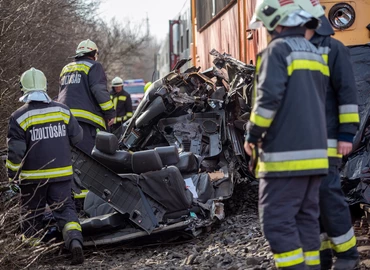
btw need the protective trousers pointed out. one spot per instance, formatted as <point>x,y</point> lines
<point>289,212</point>
<point>89,134</point>
<point>58,196</point>
<point>337,233</point>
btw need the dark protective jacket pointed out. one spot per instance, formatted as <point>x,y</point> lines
<point>39,137</point>
<point>288,116</point>
<point>341,98</point>
<point>83,88</point>
<point>122,104</point>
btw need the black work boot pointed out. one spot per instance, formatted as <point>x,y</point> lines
<point>77,252</point>
<point>341,264</point>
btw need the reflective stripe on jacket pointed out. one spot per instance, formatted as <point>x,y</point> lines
<point>83,88</point>
<point>341,99</point>
<point>122,104</point>
<point>289,108</point>
<point>39,139</point>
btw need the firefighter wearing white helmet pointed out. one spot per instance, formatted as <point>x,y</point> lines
<point>83,88</point>
<point>287,134</point>
<point>33,85</point>
<point>45,176</point>
<point>86,46</point>
<point>342,120</point>
<point>122,103</point>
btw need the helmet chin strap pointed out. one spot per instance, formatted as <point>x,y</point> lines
<point>274,33</point>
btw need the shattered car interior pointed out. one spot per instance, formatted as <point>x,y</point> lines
<point>171,167</point>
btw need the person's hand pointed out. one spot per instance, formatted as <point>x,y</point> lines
<point>247,148</point>
<point>344,148</point>
<point>110,122</point>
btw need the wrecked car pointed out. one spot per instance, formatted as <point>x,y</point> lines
<point>172,166</point>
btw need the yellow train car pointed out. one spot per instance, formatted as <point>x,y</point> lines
<point>224,25</point>
<point>351,23</point>
<point>350,20</point>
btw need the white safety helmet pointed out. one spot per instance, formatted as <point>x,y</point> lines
<point>315,9</point>
<point>34,85</point>
<point>272,13</point>
<point>117,81</point>
<point>85,46</point>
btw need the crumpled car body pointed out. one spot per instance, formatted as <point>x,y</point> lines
<point>172,166</point>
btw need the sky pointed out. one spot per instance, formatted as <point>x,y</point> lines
<point>159,12</point>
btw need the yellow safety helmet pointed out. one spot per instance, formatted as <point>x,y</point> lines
<point>85,47</point>
<point>33,84</point>
<point>147,85</point>
<point>272,13</point>
<point>315,9</point>
<point>117,81</point>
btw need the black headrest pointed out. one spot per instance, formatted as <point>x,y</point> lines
<point>146,161</point>
<point>106,142</point>
<point>169,155</point>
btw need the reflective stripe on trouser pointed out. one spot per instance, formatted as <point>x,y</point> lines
<point>289,212</point>
<point>335,217</point>
<point>300,160</point>
<point>58,196</point>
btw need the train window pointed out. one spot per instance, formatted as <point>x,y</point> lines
<point>182,43</point>
<point>207,9</point>
<point>187,39</point>
<point>342,16</point>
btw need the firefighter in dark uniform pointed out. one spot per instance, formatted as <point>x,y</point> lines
<point>287,127</point>
<point>342,119</point>
<point>83,88</point>
<point>39,158</point>
<point>122,103</point>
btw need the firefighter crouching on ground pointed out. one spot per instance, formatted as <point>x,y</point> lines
<point>83,88</point>
<point>39,157</point>
<point>122,103</point>
<point>288,122</point>
<point>342,120</point>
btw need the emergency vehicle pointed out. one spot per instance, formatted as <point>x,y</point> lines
<point>135,87</point>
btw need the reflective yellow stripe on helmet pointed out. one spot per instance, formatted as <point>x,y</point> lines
<point>289,258</point>
<point>47,173</point>
<point>89,116</point>
<point>12,166</point>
